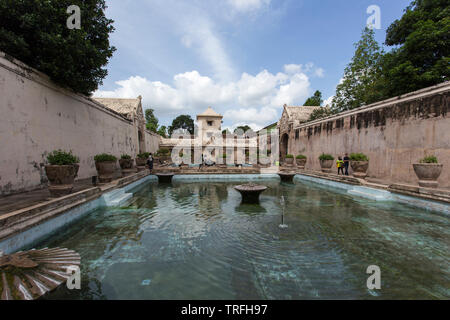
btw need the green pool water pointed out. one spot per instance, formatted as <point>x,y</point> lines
<point>197,241</point>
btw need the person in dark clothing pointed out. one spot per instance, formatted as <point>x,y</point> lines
<point>346,163</point>
<point>201,164</point>
<point>150,162</point>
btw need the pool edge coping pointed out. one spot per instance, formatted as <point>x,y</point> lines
<point>87,198</point>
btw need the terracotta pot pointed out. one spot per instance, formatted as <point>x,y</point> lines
<point>359,168</point>
<point>326,165</point>
<point>105,171</point>
<point>301,163</point>
<point>428,173</point>
<point>126,163</point>
<point>60,179</point>
<point>289,161</point>
<point>141,162</point>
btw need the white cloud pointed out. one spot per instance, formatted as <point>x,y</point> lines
<point>319,72</point>
<point>248,115</point>
<point>256,99</point>
<point>198,33</point>
<point>248,5</point>
<point>328,101</point>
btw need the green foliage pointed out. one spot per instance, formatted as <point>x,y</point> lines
<point>151,120</point>
<point>320,113</point>
<point>325,156</point>
<point>429,159</point>
<point>62,158</point>
<point>163,151</point>
<point>224,155</point>
<point>315,100</point>
<point>421,57</point>
<point>184,122</point>
<point>289,156</point>
<point>360,76</point>
<point>301,156</point>
<point>162,131</point>
<point>358,157</point>
<point>125,157</point>
<point>143,155</point>
<point>226,131</point>
<point>244,129</point>
<point>104,157</point>
<point>36,33</point>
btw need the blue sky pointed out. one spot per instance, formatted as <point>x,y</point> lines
<point>245,58</point>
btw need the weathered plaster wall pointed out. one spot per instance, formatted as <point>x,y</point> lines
<point>394,134</point>
<point>152,141</point>
<point>37,117</point>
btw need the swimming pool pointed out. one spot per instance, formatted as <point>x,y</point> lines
<point>195,240</point>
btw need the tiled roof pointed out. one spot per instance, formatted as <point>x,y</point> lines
<point>122,106</point>
<point>209,113</point>
<point>299,113</point>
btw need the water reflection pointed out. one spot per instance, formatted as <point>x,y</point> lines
<point>197,241</point>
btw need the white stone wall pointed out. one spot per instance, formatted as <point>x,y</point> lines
<point>38,117</point>
<point>394,134</point>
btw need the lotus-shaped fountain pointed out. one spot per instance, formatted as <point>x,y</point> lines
<point>31,274</point>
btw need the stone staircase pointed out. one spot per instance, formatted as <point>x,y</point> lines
<point>116,198</point>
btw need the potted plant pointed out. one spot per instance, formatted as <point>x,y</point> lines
<point>164,154</point>
<point>289,159</point>
<point>106,166</point>
<point>428,171</point>
<point>359,163</point>
<point>61,172</point>
<point>326,162</point>
<point>126,164</point>
<point>301,161</point>
<point>125,161</point>
<point>141,159</point>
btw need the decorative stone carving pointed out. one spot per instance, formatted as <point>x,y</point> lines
<point>31,274</point>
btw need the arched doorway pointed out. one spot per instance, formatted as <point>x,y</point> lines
<point>284,146</point>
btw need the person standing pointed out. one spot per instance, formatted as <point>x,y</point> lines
<point>150,162</point>
<point>346,163</point>
<point>340,165</point>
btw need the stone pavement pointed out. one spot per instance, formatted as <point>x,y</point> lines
<point>27,199</point>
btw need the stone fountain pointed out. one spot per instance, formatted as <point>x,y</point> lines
<point>31,274</point>
<point>165,177</point>
<point>250,192</point>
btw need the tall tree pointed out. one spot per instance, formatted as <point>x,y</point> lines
<point>315,100</point>
<point>36,33</point>
<point>184,122</point>
<point>151,120</point>
<point>422,54</point>
<point>360,76</point>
